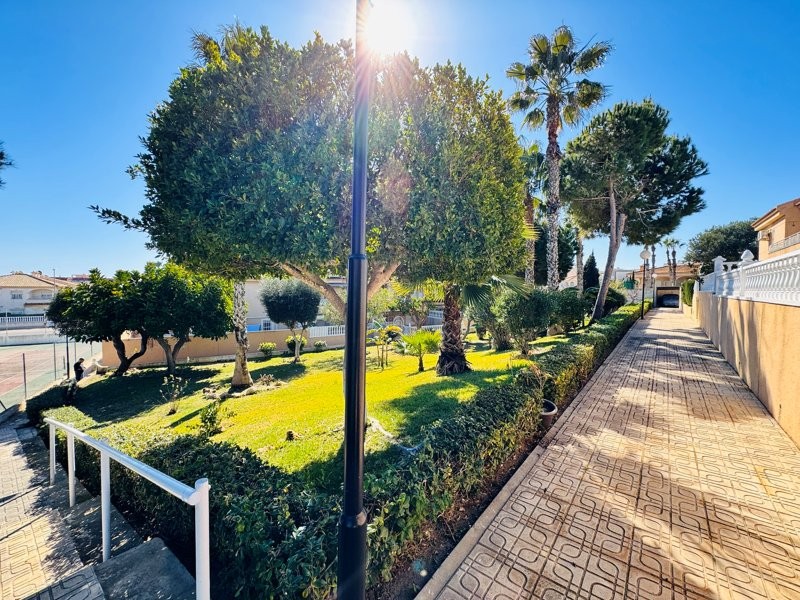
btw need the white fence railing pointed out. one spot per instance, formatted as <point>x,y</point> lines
<point>325,331</point>
<point>776,280</point>
<point>197,496</point>
<point>31,320</point>
<point>785,243</point>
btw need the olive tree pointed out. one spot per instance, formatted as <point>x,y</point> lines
<point>293,303</point>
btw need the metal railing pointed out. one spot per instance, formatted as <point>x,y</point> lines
<point>197,496</point>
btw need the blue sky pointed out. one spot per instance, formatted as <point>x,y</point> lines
<point>79,79</point>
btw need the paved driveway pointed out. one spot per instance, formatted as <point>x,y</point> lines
<point>666,478</point>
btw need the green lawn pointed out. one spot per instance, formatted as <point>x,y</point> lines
<point>309,403</point>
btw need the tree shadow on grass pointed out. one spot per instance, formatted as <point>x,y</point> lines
<point>115,399</point>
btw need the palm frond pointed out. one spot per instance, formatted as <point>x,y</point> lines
<point>511,282</point>
<point>534,118</point>
<point>516,71</point>
<point>474,295</point>
<point>531,232</point>
<point>431,289</point>
<point>563,40</point>
<point>539,47</point>
<point>571,111</point>
<point>519,102</point>
<point>589,93</point>
<point>592,57</point>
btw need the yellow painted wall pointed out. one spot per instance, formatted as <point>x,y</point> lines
<point>761,341</point>
<point>202,349</point>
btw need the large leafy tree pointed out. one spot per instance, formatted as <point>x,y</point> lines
<point>466,210</point>
<point>293,303</point>
<point>177,303</point>
<point>101,310</point>
<point>727,241</point>
<point>247,163</point>
<point>553,90</point>
<point>5,162</point>
<point>626,178</point>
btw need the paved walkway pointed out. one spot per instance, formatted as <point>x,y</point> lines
<point>666,478</point>
<point>37,557</point>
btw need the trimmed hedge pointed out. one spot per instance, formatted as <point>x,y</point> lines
<point>687,292</point>
<point>273,537</point>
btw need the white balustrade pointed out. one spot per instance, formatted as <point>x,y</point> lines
<point>197,496</point>
<point>776,280</point>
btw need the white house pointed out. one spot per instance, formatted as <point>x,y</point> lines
<point>28,294</point>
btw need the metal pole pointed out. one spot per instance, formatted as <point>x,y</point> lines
<point>105,503</point>
<point>71,468</point>
<point>55,369</point>
<point>66,340</point>
<point>644,280</point>
<point>352,564</point>
<point>202,553</point>
<point>52,453</point>
<point>24,378</point>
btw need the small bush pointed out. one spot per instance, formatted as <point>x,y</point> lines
<point>210,420</point>
<point>267,349</point>
<point>570,309</point>
<point>526,316</point>
<point>290,341</point>
<point>320,345</point>
<point>687,292</point>
<point>57,395</point>
<point>614,300</point>
<point>171,390</point>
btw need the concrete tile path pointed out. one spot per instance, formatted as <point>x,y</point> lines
<point>37,556</point>
<point>666,478</point>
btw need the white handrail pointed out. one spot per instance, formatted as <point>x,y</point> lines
<point>196,496</point>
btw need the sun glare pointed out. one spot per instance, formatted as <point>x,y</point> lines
<point>390,28</point>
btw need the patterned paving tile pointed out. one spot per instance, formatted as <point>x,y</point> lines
<point>668,479</point>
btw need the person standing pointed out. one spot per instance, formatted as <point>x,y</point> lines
<point>78,367</point>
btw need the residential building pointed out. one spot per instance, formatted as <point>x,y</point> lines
<point>23,294</point>
<point>779,230</point>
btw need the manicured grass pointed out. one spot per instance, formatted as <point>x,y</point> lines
<point>309,403</point>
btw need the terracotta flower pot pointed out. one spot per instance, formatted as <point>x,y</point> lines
<point>549,411</point>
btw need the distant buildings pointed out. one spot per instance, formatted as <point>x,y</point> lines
<point>779,230</point>
<point>23,294</point>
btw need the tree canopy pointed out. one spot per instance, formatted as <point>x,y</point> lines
<point>247,164</point>
<point>291,302</point>
<point>727,241</point>
<point>626,178</point>
<point>5,162</point>
<point>101,310</point>
<point>467,188</point>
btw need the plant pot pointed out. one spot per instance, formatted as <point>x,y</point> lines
<point>549,411</point>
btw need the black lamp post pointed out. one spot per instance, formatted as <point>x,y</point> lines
<point>352,564</point>
<point>645,256</point>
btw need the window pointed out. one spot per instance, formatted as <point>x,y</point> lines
<point>16,295</point>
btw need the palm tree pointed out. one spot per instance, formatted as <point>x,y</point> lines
<point>671,245</point>
<point>551,94</point>
<point>5,161</point>
<point>536,173</point>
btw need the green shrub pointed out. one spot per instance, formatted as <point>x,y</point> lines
<point>57,395</point>
<point>210,419</point>
<point>570,309</point>
<point>274,537</point>
<point>526,316</point>
<point>268,349</point>
<point>614,300</point>
<point>687,292</point>
<point>320,345</point>
<point>290,341</point>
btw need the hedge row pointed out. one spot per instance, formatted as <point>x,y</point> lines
<point>273,537</point>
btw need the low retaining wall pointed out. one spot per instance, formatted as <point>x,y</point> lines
<point>205,350</point>
<point>762,342</point>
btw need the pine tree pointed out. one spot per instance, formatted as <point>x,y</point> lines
<point>591,274</point>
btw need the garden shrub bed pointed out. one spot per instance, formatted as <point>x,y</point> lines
<point>273,536</point>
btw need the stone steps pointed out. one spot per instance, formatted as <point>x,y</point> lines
<point>50,551</point>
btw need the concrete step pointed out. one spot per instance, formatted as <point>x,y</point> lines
<point>148,572</point>
<point>85,526</point>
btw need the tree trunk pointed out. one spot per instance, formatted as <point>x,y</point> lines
<point>530,245</point>
<point>161,341</point>
<point>579,260</point>
<point>241,374</point>
<point>674,267</point>
<point>553,193</point>
<point>617,227</point>
<point>177,348</point>
<point>124,361</point>
<point>315,281</point>
<point>452,359</point>
<point>421,366</point>
<point>296,345</point>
